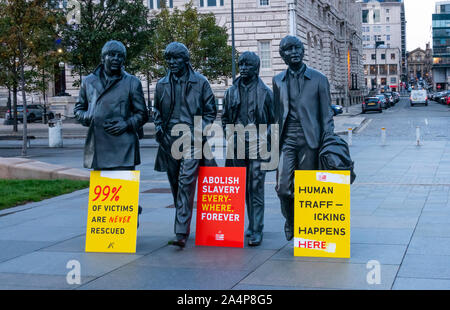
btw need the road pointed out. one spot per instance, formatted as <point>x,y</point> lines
<point>401,121</point>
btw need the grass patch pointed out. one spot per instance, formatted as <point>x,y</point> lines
<point>18,192</point>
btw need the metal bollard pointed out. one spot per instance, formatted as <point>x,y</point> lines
<point>383,136</point>
<point>350,136</point>
<point>418,136</point>
<point>55,133</point>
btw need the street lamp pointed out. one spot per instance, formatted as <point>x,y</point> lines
<point>233,52</point>
<point>346,53</point>
<point>292,23</point>
<point>63,84</point>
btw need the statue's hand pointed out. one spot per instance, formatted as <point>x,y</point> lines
<point>116,128</point>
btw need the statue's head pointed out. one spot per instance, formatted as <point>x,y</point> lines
<point>113,56</point>
<point>177,57</point>
<point>249,64</point>
<point>292,50</point>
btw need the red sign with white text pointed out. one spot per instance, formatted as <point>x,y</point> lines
<point>220,207</point>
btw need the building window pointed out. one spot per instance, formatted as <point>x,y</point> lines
<point>264,3</point>
<point>376,16</point>
<point>383,56</point>
<point>393,80</point>
<point>156,4</point>
<point>388,28</point>
<point>393,56</point>
<point>388,19</point>
<point>365,16</point>
<point>204,3</point>
<point>264,53</point>
<point>392,69</point>
<point>388,37</point>
<point>373,56</point>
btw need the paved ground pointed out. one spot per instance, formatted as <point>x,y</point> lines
<point>400,216</point>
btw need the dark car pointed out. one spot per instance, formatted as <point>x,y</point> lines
<point>396,97</point>
<point>390,98</point>
<point>442,99</point>
<point>373,104</point>
<point>384,101</point>
<point>438,97</point>
<point>337,109</point>
<point>34,113</point>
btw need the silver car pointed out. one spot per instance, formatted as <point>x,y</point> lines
<point>34,113</point>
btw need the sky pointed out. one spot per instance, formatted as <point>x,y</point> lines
<point>418,22</point>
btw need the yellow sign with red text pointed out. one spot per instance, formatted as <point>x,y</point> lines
<point>113,211</point>
<point>322,214</point>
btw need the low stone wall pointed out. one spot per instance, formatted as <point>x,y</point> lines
<point>23,168</point>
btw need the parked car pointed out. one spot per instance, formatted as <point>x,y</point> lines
<point>390,98</point>
<point>396,97</point>
<point>337,109</point>
<point>418,96</point>
<point>384,101</point>
<point>439,95</point>
<point>34,113</point>
<point>373,104</point>
<point>432,95</point>
<point>443,97</point>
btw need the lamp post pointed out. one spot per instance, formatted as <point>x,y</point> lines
<point>292,24</point>
<point>233,48</point>
<point>346,54</point>
<point>63,84</point>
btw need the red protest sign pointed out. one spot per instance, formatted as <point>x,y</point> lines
<point>220,207</point>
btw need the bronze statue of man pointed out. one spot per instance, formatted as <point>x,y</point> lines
<point>250,102</point>
<point>179,97</point>
<point>303,108</point>
<point>111,103</point>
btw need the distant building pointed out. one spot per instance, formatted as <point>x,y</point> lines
<point>382,68</point>
<point>420,65</point>
<point>384,44</point>
<point>441,45</point>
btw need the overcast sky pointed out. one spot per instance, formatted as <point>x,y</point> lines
<point>418,22</point>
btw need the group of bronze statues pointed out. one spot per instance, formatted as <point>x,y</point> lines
<point>111,103</point>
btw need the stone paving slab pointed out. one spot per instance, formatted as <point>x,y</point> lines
<point>133,277</point>
<point>425,266</point>
<point>55,263</point>
<point>402,283</point>
<point>17,281</point>
<point>329,275</point>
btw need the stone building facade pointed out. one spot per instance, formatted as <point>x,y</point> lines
<point>384,32</point>
<point>420,64</point>
<point>382,67</point>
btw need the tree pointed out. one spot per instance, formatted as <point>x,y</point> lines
<point>101,21</point>
<point>25,29</point>
<point>206,41</point>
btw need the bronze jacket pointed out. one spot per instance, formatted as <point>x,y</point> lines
<point>314,110</point>
<point>264,110</point>
<point>199,100</point>
<point>121,99</point>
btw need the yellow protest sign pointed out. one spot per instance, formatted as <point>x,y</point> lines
<point>322,213</point>
<point>113,211</point>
